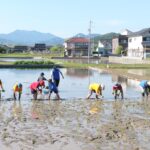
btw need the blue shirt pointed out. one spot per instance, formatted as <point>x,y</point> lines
<point>144,84</point>
<point>56,74</point>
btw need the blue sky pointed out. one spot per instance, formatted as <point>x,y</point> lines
<point>65,18</point>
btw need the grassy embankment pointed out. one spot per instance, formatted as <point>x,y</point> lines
<point>49,61</point>
<point>105,66</point>
<point>25,55</point>
<point>79,65</point>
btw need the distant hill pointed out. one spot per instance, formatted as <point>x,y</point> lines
<point>107,36</point>
<point>23,37</point>
<point>86,36</point>
<point>97,37</point>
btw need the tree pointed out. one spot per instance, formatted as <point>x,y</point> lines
<point>2,50</point>
<point>119,50</point>
<point>57,48</point>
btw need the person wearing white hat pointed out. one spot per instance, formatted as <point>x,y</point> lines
<point>145,87</point>
<point>96,88</point>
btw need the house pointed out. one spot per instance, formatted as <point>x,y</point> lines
<point>20,48</point>
<point>76,47</point>
<point>139,44</point>
<point>104,47</point>
<point>39,47</point>
<point>120,40</point>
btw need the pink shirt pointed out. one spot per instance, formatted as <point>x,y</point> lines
<point>34,85</point>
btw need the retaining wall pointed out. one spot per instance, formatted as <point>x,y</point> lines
<point>127,60</point>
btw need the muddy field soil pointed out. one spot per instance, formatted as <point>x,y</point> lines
<point>75,124</point>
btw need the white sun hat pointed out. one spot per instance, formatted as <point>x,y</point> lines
<point>148,83</point>
<point>103,86</point>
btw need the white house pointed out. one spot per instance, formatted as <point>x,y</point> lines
<point>139,44</point>
<point>104,47</point>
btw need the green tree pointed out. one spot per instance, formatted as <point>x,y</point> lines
<point>57,48</point>
<point>119,50</point>
<point>2,50</point>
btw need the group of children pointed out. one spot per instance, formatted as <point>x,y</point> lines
<point>98,88</point>
<point>38,86</point>
<point>53,83</point>
<point>118,90</point>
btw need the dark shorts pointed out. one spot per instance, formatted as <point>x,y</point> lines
<point>55,91</point>
<point>34,91</point>
<point>56,81</point>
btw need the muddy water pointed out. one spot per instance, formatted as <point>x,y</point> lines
<point>73,86</point>
<point>74,123</point>
<point>77,125</point>
<point>140,72</point>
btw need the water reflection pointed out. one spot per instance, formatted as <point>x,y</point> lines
<point>73,86</point>
<point>140,72</point>
<point>80,73</point>
<point>17,110</point>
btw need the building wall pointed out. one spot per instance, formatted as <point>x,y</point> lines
<point>76,49</point>
<point>115,44</point>
<point>135,42</point>
<point>135,47</point>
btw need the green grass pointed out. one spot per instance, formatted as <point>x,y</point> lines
<point>129,66</point>
<point>17,55</point>
<point>67,64</point>
<point>22,55</point>
<point>5,63</point>
<point>105,66</point>
<point>33,63</point>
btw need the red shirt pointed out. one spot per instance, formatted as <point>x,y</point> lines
<point>34,85</point>
<point>117,87</point>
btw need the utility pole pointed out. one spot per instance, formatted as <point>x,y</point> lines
<point>89,46</point>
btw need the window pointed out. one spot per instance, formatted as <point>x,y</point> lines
<point>148,39</point>
<point>130,40</point>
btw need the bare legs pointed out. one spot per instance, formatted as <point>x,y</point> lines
<point>58,97</point>
<point>19,96</point>
<point>89,94</point>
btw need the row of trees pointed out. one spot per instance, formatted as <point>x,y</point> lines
<point>57,48</point>
<point>54,49</point>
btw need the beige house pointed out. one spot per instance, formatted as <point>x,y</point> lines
<point>76,47</point>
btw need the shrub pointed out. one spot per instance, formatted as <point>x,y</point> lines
<point>33,63</point>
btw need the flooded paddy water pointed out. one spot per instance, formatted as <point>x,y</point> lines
<point>74,122</point>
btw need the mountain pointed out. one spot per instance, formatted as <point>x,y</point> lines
<point>86,36</point>
<point>107,36</point>
<point>23,37</point>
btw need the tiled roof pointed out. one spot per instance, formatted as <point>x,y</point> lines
<point>140,33</point>
<point>77,40</point>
